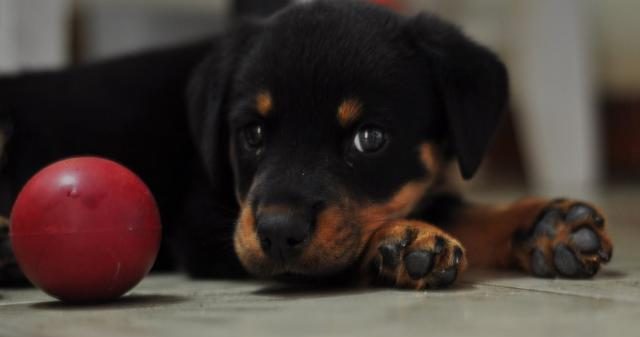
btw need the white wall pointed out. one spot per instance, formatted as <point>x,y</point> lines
<point>33,34</point>
<point>115,27</point>
<point>553,85</point>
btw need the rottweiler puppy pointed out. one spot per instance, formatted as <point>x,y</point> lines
<point>314,143</point>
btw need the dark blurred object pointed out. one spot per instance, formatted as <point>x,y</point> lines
<point>504,162</point>
<point>392,4</point>
<point>621,124</point>
<point>106,29</point>
<point>257,7</point>
<point>268,7</point>
<point>619,118</point>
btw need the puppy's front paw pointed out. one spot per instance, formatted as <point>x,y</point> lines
<point>413,254</point>
<point>568,239</point>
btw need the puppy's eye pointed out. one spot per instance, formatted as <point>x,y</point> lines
<point>253,135</point>
<point>369,139</point>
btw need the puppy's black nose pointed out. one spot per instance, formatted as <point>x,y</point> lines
<point>283,234</point>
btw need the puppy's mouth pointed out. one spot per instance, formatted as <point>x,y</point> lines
<point>283,244</point>
<point>330,247</point>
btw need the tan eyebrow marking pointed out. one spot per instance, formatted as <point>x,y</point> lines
<point>349,111</point>
<point>264,103</point>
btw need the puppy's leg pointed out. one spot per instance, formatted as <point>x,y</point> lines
<point>546,238</point>
<point>413,254</point>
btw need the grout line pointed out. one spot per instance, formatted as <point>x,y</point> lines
<point>554,292</point>
<point>19,303</point>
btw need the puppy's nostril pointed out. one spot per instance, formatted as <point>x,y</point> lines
<point>318,206</point>
<point>265,243</point>
<point>292,242</point>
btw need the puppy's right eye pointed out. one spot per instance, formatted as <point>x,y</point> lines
<point>369,139</point>
<point>253,136</point>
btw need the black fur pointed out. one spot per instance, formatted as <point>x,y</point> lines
<point>176,117</point>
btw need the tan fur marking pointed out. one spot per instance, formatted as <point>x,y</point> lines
<point>429,157</point>
<point>398,206</point>
<point>245,239</point>
<point>264,103</point>
<point>327,235</point>
<point>349,111</point>
<point>247,247</point>
<point>405,200</point>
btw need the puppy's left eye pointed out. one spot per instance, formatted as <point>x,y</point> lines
<point>253,136</point>
<point>369,139</point>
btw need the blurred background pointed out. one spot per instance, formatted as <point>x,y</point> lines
<point>573,127</point>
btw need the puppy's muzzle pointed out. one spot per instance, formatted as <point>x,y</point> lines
<point>284,231</point>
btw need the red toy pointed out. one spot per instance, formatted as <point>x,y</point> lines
<point>85,229</point>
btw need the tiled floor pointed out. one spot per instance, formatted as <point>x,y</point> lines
<point>483,304</point>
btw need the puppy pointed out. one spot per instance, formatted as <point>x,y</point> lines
<point>314,143</point>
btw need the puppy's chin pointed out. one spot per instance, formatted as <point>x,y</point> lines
<point>317,269</point>
<point>262,266</point>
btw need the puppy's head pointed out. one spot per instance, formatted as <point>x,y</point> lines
<point>337,117</point>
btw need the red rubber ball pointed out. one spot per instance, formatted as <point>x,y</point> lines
<point>85,229</point>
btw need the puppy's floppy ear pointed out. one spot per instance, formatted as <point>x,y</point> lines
<point>471,81</point>
<point>207,96</point>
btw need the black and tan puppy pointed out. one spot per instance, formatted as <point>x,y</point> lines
<point>314,143</point>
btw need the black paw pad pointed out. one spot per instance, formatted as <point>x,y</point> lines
<point>566,262</point>
<point>445,277</point>
<point>546,224</point>
<point>585,240</point>
<point>539,266</point>
<point>419,263</point>
<point>581,212</point>
<point>390,255</point>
